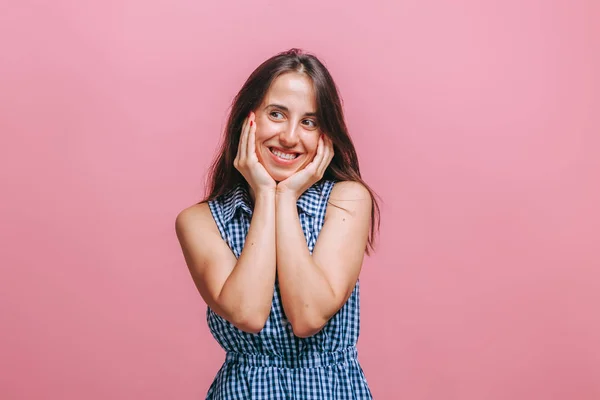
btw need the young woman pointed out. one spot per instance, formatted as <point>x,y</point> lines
<point>277,247</point>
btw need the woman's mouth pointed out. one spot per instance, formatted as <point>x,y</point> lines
<point>282,156</point>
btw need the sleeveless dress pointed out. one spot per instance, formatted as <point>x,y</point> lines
<point>274,363</point>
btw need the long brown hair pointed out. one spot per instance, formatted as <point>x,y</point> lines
<point>223,176</point>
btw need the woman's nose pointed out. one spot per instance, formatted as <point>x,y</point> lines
<point>289,137</point>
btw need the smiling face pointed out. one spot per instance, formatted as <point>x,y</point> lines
<point>287,133</point>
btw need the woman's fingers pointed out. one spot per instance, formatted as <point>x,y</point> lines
<point>238,155</point>
<point>313,166</point>
<point>327,156</point>
<point>252,141</point>
<point>319,156</point>
<point>243,147</point>
<point>320,150</point>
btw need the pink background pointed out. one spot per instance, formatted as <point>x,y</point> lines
<point>476,121</point>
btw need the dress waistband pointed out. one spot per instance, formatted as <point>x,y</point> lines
<point>304,360</point>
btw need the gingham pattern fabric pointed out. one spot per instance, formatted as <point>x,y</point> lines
<point>276,364</point>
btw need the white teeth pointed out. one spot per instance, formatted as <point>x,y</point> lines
<point>285,156</point>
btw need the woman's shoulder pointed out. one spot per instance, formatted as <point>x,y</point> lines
<point>194,215</point>
<point>349,190</point>
<point>349,196</point>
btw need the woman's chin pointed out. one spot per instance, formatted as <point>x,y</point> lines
<point>280,176</point>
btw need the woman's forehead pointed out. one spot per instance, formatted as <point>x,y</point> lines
<point>292,90</point>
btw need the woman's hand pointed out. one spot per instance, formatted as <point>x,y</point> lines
<point>298,183</point>
<point>246,160</point>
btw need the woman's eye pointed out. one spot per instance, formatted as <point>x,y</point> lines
<point>276,114</point>
<point>310,123</point>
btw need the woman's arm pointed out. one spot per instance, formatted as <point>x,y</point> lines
<point>239,290</point>
<point>314,288</point>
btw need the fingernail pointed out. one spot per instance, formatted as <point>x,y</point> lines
<point>250,123</point>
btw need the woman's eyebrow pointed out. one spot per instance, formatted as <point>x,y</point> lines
<point>284,108</point>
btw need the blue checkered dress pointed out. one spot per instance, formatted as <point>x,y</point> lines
<point>276,364</point>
